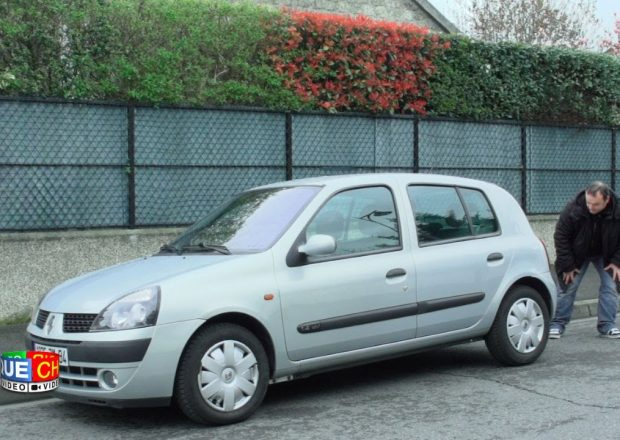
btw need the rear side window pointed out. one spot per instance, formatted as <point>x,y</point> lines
<point>450,213</point>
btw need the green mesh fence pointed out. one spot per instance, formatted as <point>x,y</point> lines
<point>73,165</point>
<point>190,161</point>
<point>490,152</point>
<point>62,165</point>
<point>328,144</point>
<point>561,161</point>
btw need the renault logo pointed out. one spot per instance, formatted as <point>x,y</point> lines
<point>50,324</point>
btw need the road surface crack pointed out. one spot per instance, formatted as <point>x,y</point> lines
<point>537,393</point>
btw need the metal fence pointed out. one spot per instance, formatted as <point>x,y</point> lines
<point>85,165</point>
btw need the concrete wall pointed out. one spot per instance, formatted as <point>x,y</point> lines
<point>544,227</point>
<point>33,263</point>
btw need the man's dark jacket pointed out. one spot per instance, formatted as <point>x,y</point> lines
<point>573,234</point>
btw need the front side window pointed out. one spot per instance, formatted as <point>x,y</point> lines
<point>251,222</point>
<point>360,220</point>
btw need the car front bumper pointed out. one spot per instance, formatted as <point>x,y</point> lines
<point>142,361</point>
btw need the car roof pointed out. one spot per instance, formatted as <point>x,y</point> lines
<point>346,180</point>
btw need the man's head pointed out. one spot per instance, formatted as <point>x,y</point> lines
<point>598,195</point>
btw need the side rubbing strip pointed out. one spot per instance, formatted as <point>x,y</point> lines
<point>389,313</point>
<point>359,318</point>
<point>448,303</point>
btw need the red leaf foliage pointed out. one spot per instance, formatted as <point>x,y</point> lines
<point>343,63</point>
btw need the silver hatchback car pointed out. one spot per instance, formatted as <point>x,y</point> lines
<point>296,278</point>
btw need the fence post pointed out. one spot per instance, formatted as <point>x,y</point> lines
<point>524,168</point>
<point>613,159</point>
<point>374,144</point>
<point>131,166</point>
<point>416,145</point>
<point>288,130</point>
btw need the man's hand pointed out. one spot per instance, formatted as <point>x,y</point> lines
<point>569,277</point>
<point>615,271</point>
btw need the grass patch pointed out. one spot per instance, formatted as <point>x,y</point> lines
<point>18,318</point>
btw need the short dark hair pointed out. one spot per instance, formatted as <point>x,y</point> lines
<point>599,187</point>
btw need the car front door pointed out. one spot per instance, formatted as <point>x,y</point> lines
<point>361,294</point>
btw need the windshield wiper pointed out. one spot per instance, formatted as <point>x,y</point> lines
<point>206,247</point>
<point>170,248</point>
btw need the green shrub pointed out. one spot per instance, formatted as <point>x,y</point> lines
<point>152,51</point>
<point>195,51</point>
<point>510,81</point>
<point>54,47</point>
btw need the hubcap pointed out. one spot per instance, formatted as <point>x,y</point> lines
<point>525,325</point>
<point>228,376</point>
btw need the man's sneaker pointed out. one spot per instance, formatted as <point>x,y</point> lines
<point>612,333</point>
<point>555,333</point>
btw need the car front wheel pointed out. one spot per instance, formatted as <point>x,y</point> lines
<point>519,333</point>
<point>222,376</point>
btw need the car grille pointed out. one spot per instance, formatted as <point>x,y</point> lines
<point>78,322</point>
<point>72,322</point>
<point>80,377</point>
<point>41,318</point>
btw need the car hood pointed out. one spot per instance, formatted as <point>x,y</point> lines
<point>91,292</point>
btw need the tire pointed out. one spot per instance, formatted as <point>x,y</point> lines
<point>520,330</point>
<point>222,376</point>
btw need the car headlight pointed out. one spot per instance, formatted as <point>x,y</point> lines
<point>137,309</point>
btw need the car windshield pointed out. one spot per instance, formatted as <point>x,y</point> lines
<point>251,222</point>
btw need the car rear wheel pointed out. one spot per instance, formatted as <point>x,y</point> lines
<point>222,376</point>
<point>519,334</point>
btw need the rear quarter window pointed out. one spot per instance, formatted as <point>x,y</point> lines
<point>482,216</point>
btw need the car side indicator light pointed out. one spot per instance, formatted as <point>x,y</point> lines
<point>269,296</point>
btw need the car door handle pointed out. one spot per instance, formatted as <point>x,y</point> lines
<point>495,256</point>
<point>396,273</point>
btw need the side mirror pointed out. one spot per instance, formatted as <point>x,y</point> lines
<point>318,245</point>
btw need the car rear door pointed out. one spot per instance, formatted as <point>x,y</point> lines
<point>461,257</point>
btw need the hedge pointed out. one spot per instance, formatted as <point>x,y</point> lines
<point>511,81</point>
<point>342,63</point>
<point>150,51</point>
<point>203,52</point>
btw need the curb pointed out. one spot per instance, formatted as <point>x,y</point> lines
<point>585,309</point>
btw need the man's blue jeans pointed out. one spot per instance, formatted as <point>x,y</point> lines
<point>607,298</point>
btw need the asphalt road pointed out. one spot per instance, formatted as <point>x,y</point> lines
<point>571,392</point>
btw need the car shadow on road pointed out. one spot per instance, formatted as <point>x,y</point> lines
<point>420,365</point>
<point>285,399</point>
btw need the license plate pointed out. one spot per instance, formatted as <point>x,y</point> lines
<point>60,351</point>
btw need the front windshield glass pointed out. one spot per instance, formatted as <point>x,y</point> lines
<point>251,222</point>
